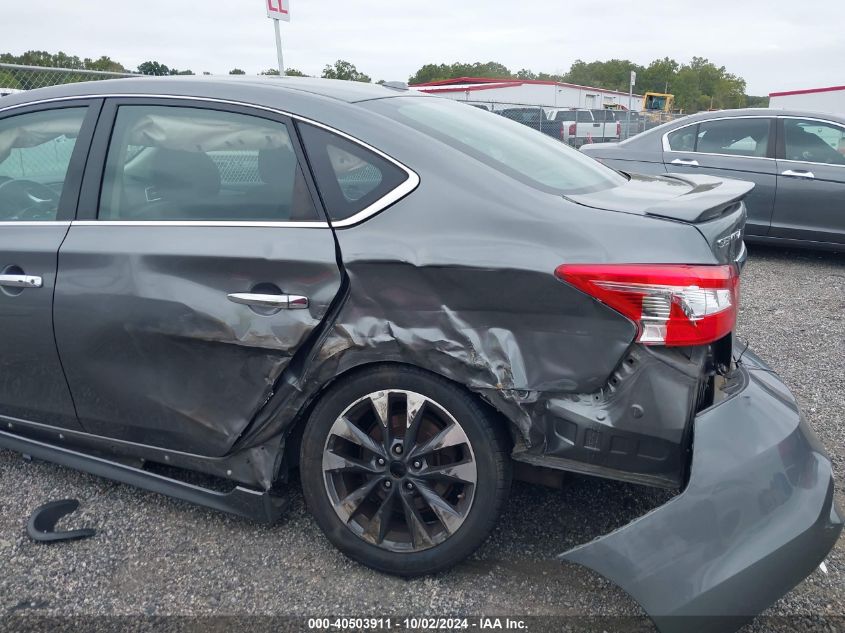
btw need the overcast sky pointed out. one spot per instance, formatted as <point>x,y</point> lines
<point>774,44</point>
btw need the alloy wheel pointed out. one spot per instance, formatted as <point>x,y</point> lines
<point>399,470</point>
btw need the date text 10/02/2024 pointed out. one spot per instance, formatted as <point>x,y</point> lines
<point>416,624</point>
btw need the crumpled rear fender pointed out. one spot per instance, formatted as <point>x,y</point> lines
<point>756,518</point>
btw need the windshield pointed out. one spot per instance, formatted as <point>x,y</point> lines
<point>515,149</point>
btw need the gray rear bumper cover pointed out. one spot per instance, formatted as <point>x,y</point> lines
<point>757,517</point>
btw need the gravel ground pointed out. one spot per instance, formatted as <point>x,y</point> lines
<point>156,556</point>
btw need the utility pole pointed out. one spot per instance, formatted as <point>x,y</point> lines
<point>278,10</point>
<point>279,48</point>
<point>630,102</point>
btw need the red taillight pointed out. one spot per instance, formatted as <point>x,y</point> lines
<point>671,304</point>
<point>618,128</point>
<point>572,129</point>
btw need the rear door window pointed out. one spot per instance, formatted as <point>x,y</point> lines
<point>351,178</point>
<point>734,137</point>
<point>193,164</point>
<point>814,141</point>
<point>35,153</point>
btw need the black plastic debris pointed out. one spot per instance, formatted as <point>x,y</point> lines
<point>42,523</point>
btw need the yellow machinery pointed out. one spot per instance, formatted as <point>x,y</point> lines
<point>658,102</point>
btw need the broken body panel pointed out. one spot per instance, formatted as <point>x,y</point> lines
<point>757,517</point>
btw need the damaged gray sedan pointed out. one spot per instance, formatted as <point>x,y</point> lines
<point>397,297</point>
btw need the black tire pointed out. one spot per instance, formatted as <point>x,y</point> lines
<point>488,447</point>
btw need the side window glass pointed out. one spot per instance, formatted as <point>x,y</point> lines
<point>737,137</point>
<point>177,163</point>
<point>35,152</point>
<point>683,140</point>
<point>814,141</point>
<point>350,177</point>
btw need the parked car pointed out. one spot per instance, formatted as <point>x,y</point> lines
<point>398,296</point>
<point>796,160</point>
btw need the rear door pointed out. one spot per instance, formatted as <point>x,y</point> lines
<point>811,181</point>
<point>42,155</point>
<point>198,267</point>
<point>734,147</point>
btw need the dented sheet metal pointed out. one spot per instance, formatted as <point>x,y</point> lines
<point>153,350</point>
<point>757,517</point>
<point>472,296</point>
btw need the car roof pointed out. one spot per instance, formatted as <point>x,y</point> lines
<point>763,112</point>
<point>260,90</point>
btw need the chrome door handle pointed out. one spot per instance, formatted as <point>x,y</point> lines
<point>798,173</point>
<point>20,281</point>
<point>685,161</point>
<point>282,302</point>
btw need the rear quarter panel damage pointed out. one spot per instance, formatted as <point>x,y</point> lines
<point>458,278</point>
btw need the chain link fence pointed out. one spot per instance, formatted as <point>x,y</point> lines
<point>15,78</point>
<point>574,126</point>
<point>578,126</point>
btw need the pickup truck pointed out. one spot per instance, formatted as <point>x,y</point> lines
<point>579,127</point>
<point>611,124</point>
<point>575,127</point>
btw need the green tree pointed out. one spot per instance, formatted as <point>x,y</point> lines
<point>237,71</point>
<point>657,76</point>
<point>614,74</point>
<point>104,63</point>
<point>701,85</point>
<point>153,68</point>
<point>159,69</point>
<point>289,72</point>
<point>344,70</point>
<point>439,72</point>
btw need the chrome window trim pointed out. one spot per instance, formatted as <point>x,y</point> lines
<point>392,196</point>
<point>811,118</point>
<point>665,139</point>
<point>35,223</point>
<point>205,223</point>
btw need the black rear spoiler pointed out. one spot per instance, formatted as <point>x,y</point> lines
<point>709,198</point>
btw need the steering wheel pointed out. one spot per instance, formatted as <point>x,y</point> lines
<point>28,200</point>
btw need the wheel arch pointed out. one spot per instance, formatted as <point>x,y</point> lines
<point>293,435</point>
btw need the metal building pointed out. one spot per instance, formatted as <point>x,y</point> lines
<point>830,100</point>
<point>548,94</point>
